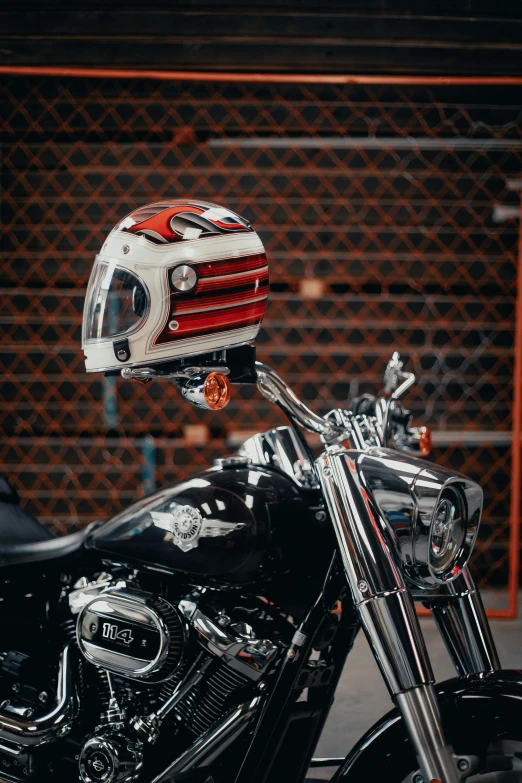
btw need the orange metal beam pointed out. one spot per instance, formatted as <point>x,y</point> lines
<point>514,527</point>
<point>510,613</point>
<point>252,78</point>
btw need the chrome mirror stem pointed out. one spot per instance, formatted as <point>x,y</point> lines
<point>396,381</point>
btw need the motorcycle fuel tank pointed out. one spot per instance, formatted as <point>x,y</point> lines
<point>229,523</point>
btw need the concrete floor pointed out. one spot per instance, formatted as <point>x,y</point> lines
<point>362,697</point>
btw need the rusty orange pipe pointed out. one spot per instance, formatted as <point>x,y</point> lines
<point>514,517</point>
<point>252,78</point>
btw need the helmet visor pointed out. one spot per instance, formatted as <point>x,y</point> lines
<point>117,302</point>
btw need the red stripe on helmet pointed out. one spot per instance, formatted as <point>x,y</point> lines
<point>251,279</point>
<point>212,321</point>
<point>219,300</point>
<point>229,266</point>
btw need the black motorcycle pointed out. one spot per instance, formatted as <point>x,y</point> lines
<point>200,635</point>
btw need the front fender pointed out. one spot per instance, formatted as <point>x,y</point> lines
<point>474,710</point>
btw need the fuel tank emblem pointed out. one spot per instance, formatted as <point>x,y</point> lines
<point>187,526</point>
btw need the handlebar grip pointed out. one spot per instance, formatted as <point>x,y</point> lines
<point>363,405</point>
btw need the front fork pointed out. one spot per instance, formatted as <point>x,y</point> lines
<point>387,613</point>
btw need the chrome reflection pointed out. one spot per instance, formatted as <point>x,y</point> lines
<point>284,449</point>
<point>252,656</point>
<point>372,564</point>
<point>275,389</point>
<point>443,521</point>
<point>54,724</point>
<point>460,617</point>
<point>434,513</point>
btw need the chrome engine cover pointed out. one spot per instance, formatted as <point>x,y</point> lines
<point>133,634</point>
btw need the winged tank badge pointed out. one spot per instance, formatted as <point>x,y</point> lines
<point>187,526</point>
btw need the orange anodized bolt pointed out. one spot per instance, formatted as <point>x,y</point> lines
<point>216,391</point>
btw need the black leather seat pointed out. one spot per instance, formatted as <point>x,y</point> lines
<point>24,540</point>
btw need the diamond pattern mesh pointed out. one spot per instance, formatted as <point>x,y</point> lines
<point>377,207</point>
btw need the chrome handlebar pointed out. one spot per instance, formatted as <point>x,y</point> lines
<point>362,430</point>
<point>275,389</point>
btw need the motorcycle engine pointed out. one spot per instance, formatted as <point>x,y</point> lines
<point>167,671</point>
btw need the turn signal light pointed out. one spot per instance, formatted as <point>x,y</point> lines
<point>425,441</point>
<point>216,391</point>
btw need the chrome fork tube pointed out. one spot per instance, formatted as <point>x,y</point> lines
<point>420,713</point>
<point>461,619</point>
<point>374,571</point>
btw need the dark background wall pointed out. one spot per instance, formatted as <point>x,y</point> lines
<point>375,36</point>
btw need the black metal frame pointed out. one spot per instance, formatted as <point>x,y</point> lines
<point>272,755</point>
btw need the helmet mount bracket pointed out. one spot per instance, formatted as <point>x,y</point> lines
<point>237,365</point>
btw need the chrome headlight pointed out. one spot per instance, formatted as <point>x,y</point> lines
<point>433,512</point>
<point>447,533</point>
<point>446,528</point>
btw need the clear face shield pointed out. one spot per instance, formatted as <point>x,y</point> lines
<point>116,305</point>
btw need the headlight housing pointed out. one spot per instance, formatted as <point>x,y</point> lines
<point>433,512</point>
<point>445,527</point>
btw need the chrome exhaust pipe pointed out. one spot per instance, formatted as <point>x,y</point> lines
<point>51,726</point>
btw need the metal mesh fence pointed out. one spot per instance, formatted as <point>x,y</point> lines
<point>388,219</point>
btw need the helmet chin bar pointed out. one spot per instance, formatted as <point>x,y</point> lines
<point>203,380</point>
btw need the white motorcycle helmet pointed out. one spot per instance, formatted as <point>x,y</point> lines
<point>173,280</point>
